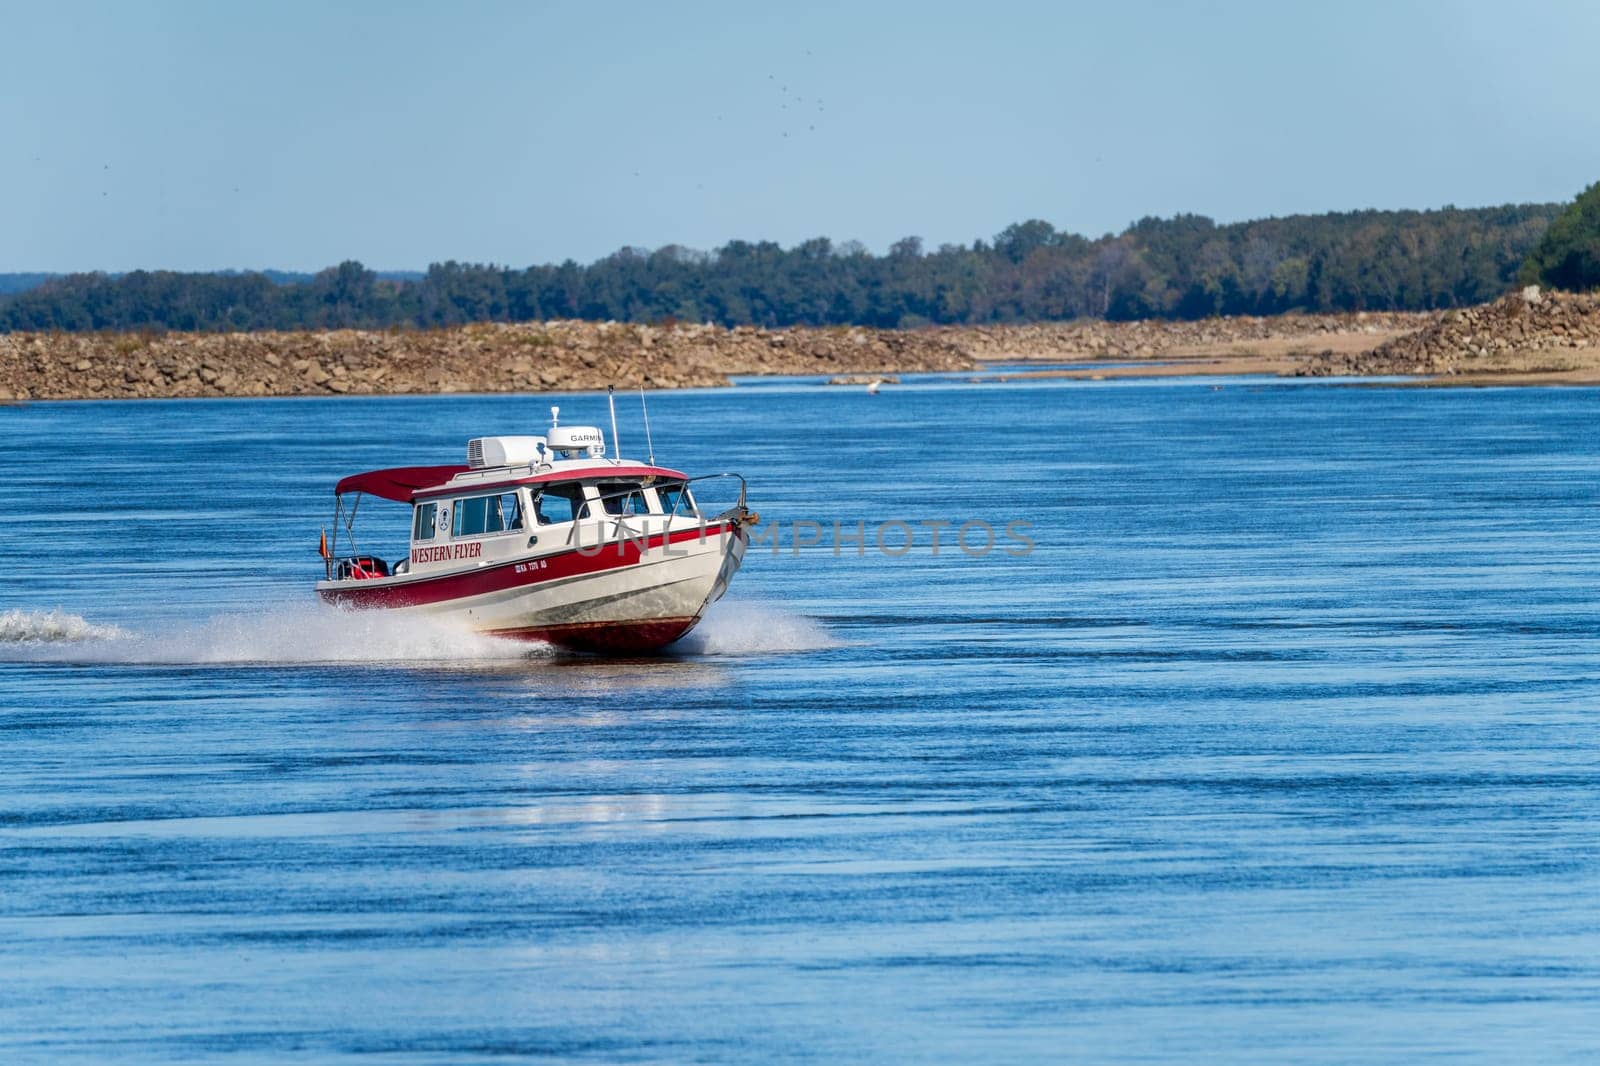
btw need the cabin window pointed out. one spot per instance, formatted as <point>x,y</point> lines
<point>424,523</point>
<point>478,516</point>
<point>511,511</point>
<point>555,504</point>
<point>675,498</point>
<point>622,498</point>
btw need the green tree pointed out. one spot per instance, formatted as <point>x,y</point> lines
<point>1569,255</point>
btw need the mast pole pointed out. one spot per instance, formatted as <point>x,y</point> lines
<point>611,398</point>
<point>649,442</point>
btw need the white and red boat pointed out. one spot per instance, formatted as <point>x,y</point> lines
<point>544,538</point>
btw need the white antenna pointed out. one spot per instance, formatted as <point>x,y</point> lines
<point>616,442</point>
<point>649,444</point>
<point>555,417</point>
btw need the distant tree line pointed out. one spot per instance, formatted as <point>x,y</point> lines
<point>1183,267</point>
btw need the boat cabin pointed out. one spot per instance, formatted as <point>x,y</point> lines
<point>517,498</point>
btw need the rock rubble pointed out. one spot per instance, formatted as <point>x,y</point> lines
<point>574,355</point>
<point>563,355</point>
<point>1521,333</point>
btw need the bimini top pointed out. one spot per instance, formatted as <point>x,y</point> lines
<point>397,483</point>
<point>564,453</point>
<point>406,484</point>
<point>478,480</point>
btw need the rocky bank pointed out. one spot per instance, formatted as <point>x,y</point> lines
<point>477,358</point>
<point>1523,335</point>
<point>572,355</point>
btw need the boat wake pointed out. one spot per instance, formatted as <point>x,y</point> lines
<point>52,627</point>
<point>274,636</point>
<point>310,635</point>
<point>734,628</point>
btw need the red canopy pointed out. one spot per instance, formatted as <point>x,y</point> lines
<point>397,483</point>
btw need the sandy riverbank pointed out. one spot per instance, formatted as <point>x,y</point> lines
<point>1285,354</point>
<point>1525,338</point>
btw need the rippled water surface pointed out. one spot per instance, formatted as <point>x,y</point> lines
<point>1279,746</point>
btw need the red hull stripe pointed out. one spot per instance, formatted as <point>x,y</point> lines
<point>606,636</point>
<point>505,575</point>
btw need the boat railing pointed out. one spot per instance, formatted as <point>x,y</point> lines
<point>738,507</point>
<point>345,519</point>
<point>620,529</point>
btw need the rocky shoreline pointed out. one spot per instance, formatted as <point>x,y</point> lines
<point>566,355</point>
<point>1524,333</point>
<point>1530,334</point>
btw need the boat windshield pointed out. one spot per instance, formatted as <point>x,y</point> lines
<point>623,497</point>
<point>554,504</point>
<point>675,498</point>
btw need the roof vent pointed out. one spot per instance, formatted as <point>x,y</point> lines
<point>487,452</point>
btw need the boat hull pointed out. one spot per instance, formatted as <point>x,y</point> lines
<point>607,637</point>
<point>630,595</point>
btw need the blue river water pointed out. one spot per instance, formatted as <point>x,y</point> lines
<point>1279,745</point>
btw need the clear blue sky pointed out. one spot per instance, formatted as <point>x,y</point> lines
<point>286,134</point>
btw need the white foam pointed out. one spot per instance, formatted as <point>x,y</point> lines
<point>51,627</point>
<point>738,628</point>
<point>284,635</point>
